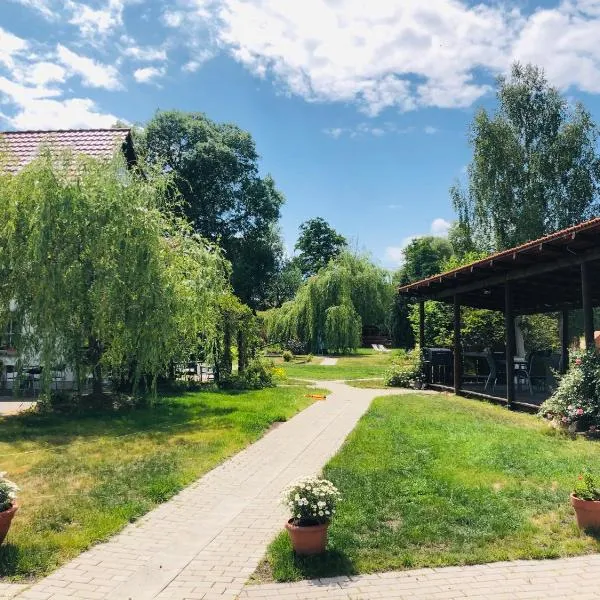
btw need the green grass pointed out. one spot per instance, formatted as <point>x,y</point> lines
<point>433,481</point>
<point>83,479</point>
<point>367,384</point>
<point>364,363</point>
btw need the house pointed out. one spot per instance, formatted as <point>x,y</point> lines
<point>22,147</point>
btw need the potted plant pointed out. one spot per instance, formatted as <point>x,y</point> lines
<point>586,501</point>
<point>312,503</point>
<point>8,504</point>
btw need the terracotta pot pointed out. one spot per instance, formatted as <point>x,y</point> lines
<point>6,518</point>
<point>308,539</point>
<point>587,512</point>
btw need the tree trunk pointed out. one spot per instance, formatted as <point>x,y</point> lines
<point>95,355</point>
<point>241,351</point>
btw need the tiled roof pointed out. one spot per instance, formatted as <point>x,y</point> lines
<point>23,146</point>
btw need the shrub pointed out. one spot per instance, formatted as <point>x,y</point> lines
<point>587,487</point>
<point>309,358</point>
<point>287,356</point>
<point>576,401</point>
<point>258,374</point>
<point>311,500</point>
<point>8,493</point>
<point>406,371</point>
<point>294,345</point>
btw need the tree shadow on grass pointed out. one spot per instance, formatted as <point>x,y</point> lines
<point>165,418</point>
<point>331,563</point>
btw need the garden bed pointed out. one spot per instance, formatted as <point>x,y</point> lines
<point>435,481</point>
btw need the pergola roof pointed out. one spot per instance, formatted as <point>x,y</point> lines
<point>545,274</point>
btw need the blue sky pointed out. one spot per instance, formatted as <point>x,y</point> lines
<point>360,110</point>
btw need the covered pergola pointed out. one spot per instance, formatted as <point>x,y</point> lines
<point>557,273</point>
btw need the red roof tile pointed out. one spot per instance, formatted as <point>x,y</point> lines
<point>23,146</point>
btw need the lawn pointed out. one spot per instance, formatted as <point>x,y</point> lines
<point>83,479</point>
<point>440,480</point>
<point>363,364</point>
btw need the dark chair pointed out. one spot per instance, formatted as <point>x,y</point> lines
<point>492,378</point>
<point>538,371</point>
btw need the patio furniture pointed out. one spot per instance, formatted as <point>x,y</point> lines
<point>538,371</point>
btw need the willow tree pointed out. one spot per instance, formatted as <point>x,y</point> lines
<point>331,307</point>
<point>98,275</point>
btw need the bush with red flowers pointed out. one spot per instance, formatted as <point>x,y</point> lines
<point>576,402</point>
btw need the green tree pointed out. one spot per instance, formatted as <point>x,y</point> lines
<point>333,305</point>
<point>317,244</point>
<point>285,283</point>
<point>423,257</point>
<point>98,274</point>
<point>535,166</point>
<point>215,170</point>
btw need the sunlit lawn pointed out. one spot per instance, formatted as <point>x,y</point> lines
<point>83,479</point>
<point>363,364</point>
<point>440,480</point>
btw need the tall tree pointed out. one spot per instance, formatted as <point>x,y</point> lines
<point>215,170</point>
<point>535,166</point>
<point>317,244</point>
<point>98,275</point>
<point>330,308</point>
<point>423,257</point>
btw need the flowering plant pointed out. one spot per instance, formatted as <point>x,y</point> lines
<point>8,493</point>
<point>576,401</point>
<point>311,501</point>
<point>587,487</point>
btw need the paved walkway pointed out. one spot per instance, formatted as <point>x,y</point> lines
<point>11,407</point>
<point>329,362</point>
<point>207,540</point>
<point>515,580</point>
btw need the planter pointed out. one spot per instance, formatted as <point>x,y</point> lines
<point>6,518</point>
<point>308,539</point>
<point>587,512</point>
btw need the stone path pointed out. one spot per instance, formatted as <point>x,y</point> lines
<point>11,407</point>
<point>329,362</point>
<point>561,579</point>
<point>207,540</point>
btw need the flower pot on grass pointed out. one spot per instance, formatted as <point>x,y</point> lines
<point>585,499</point>
<point>6,517</point>
<point>307,539</point>
<point>8,504</point>
<point>312,503</point>
<point>587,512</point>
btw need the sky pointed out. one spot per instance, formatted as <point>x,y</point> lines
<point>360,109</point>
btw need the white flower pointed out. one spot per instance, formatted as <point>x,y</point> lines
<point>320,513</point>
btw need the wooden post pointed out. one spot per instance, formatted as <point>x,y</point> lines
<point>588,311</point>
<point>422,325</point>
<point>509,325</point>
<point>564,341</point>
<point>457,348</point>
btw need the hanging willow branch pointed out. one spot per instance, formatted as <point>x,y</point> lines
<point>98,273</point>
<point>331,307</point>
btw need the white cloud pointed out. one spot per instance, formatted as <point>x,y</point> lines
<point>402,55</point>
<point>42,73</point>
<point>45,7</point>
<point>440,227</point>
<point>148,74</point>
<point>94,22</point>
<point>366,129</point>
<point>429,130</point>
<point>10,46</point>
<point>92,73</point>
<point>145,54</point>
<point>65,114</point>
<point>394,255</point>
